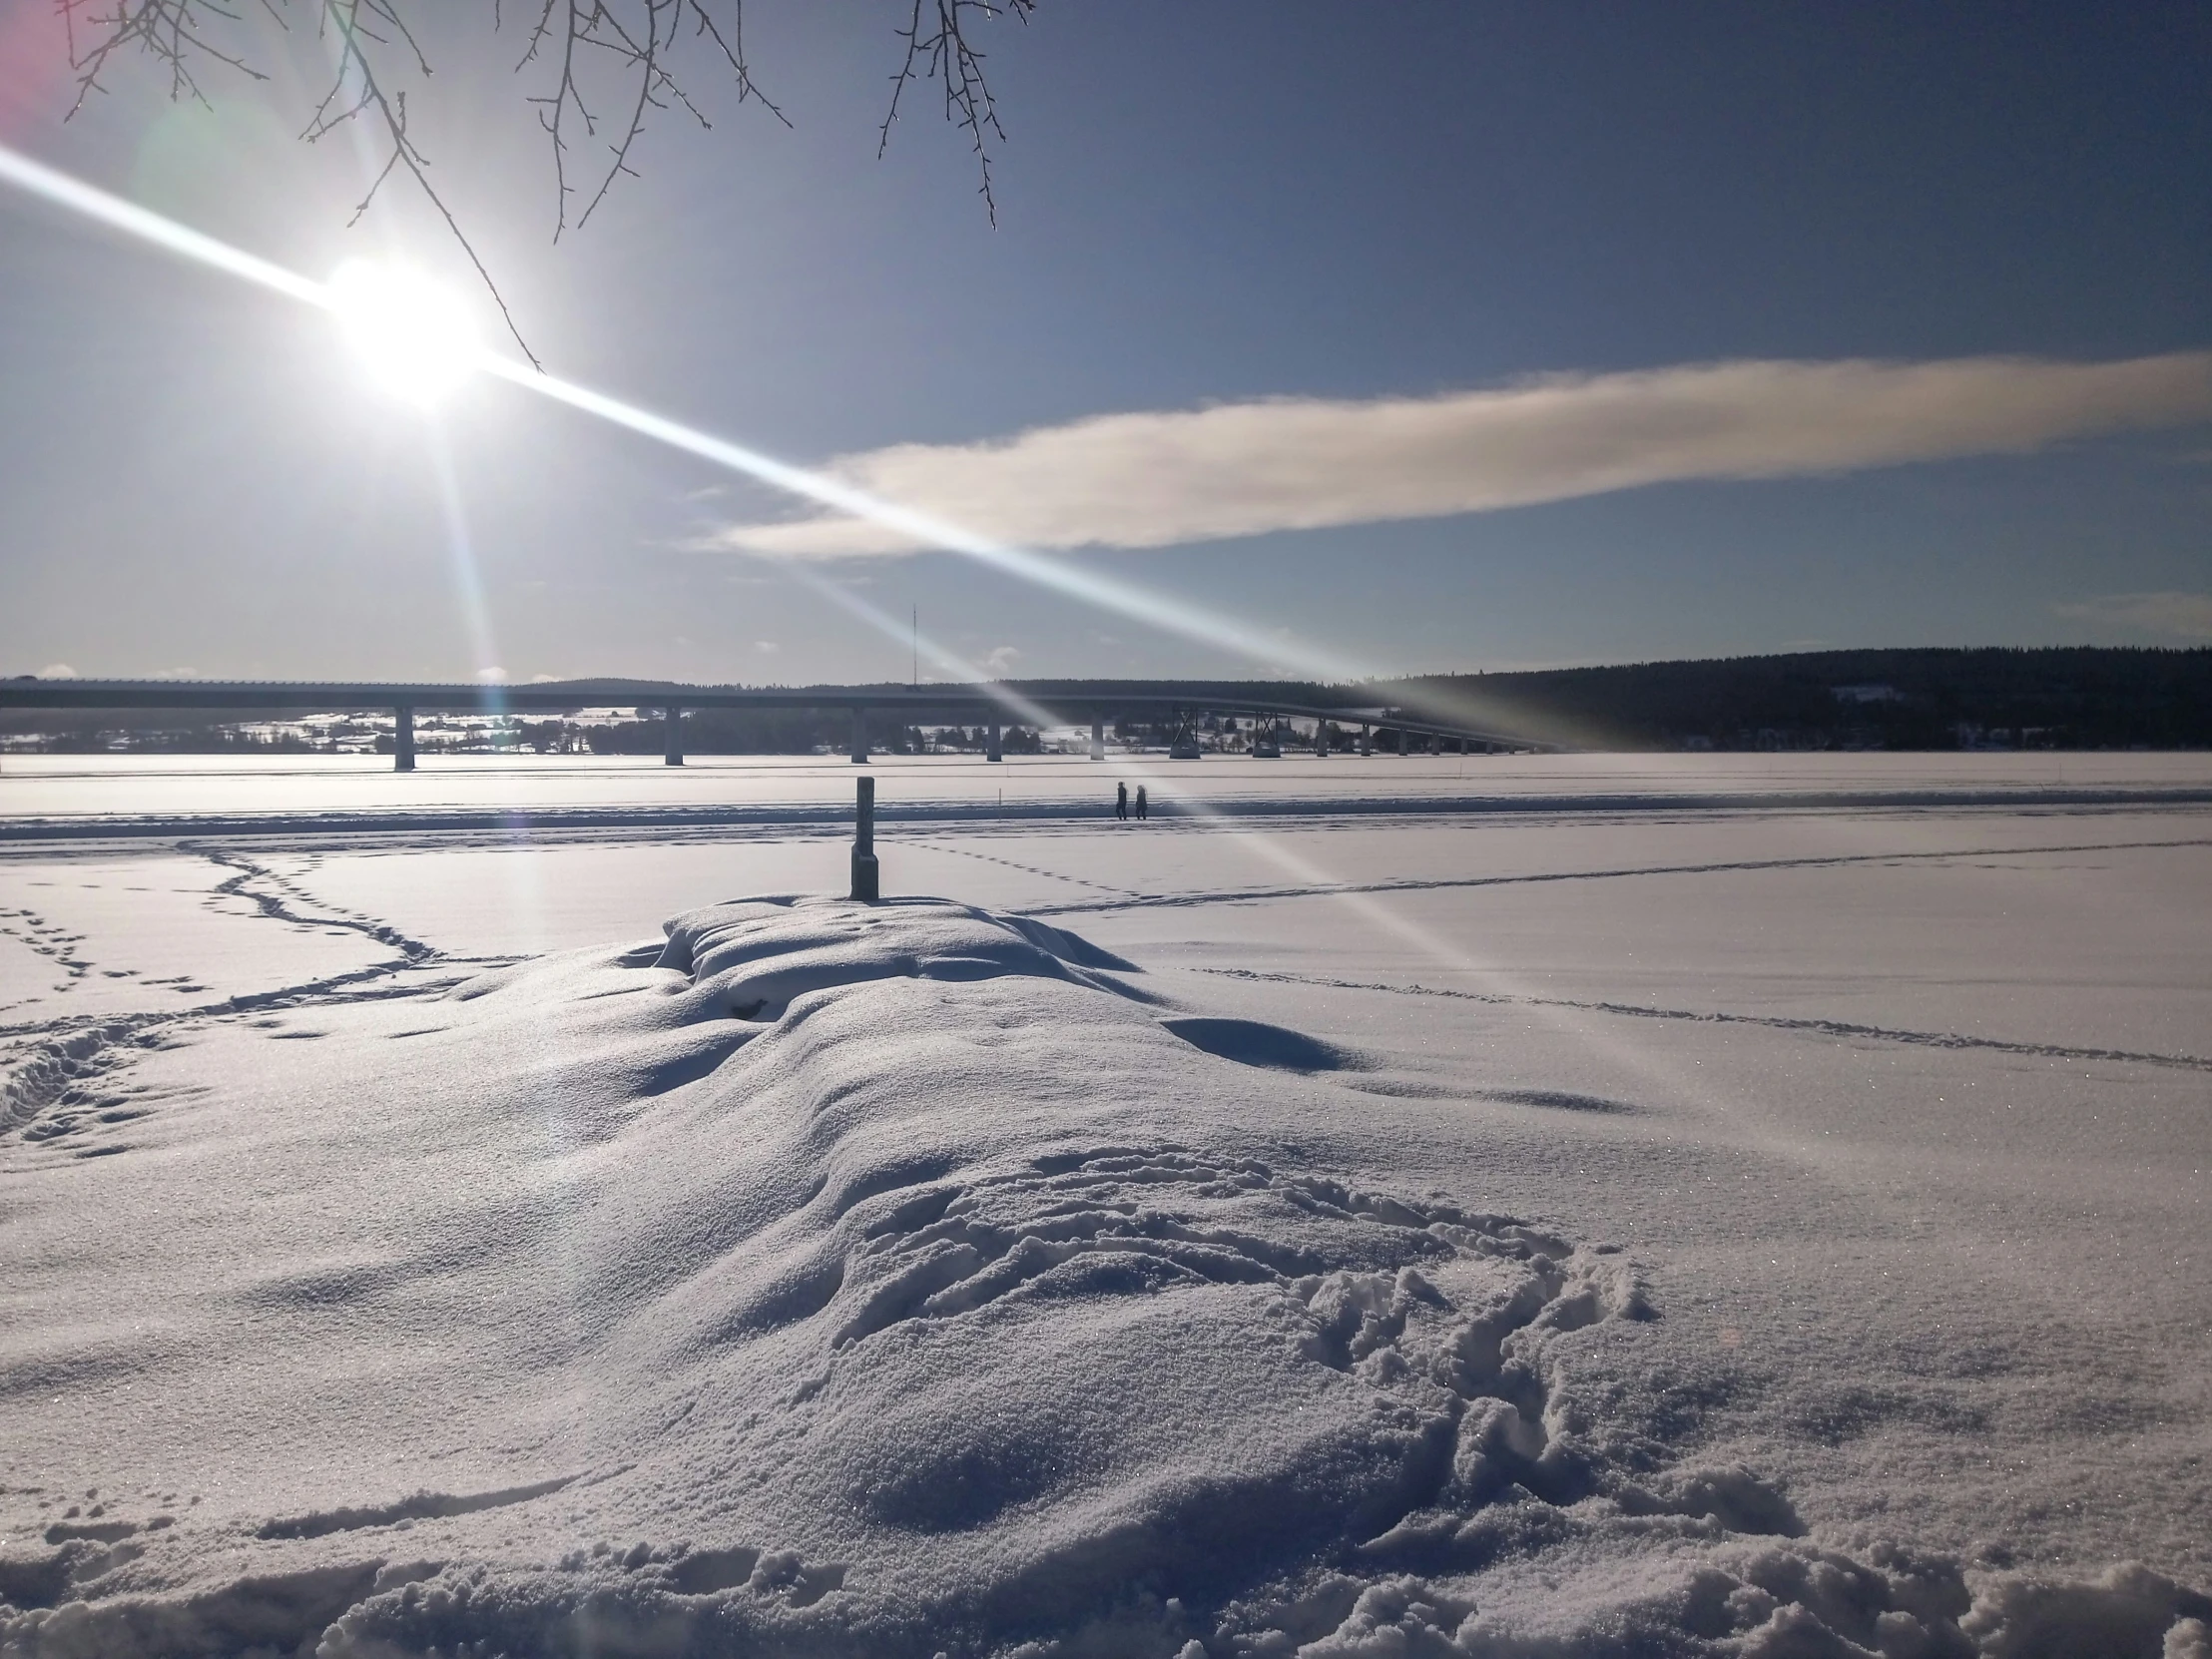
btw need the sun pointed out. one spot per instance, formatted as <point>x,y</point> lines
<point>414,336</point>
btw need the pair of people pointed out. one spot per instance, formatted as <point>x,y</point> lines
<point>1121,800</point>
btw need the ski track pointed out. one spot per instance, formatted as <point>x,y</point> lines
<point>1822,1027</point>
<point>1693,1016</point>
<point>1032,869</point>
<point>1248,895</point>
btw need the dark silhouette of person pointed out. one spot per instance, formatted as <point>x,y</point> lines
<point>1121,800</point>
<point>1141,807</point>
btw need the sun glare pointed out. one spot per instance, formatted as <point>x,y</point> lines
<point>414,336</point>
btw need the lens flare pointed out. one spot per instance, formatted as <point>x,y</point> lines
<point>414,336</point>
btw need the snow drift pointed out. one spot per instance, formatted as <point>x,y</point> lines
<point>841,1279</point>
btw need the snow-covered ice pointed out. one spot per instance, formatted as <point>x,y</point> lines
<point>1620,1232</point>
<point>94,936</point>
<point>95,793</point>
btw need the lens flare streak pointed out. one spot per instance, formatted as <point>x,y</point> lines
<point>1170,615</point>
<point>1126,599</point>
<point>112,211</point>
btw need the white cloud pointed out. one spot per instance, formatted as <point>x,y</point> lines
<point>491,675</point>
<point>999,660</point>
<point>767,646</point>
<point>57,671</point>
<point>1153,480</point>
<point>2185,616</point>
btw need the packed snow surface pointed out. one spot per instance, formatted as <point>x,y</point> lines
<point>1515,1207</point>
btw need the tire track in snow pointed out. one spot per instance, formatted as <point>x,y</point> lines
<point>1776,1022</point>
<point>1247,895</point>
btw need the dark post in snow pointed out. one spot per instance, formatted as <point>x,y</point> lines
<point>672,753</point>
<point>402,740</point>
<point>865,880</point>
<point>860,737</point>
<point>1098,740</point>
<point>993,750</point>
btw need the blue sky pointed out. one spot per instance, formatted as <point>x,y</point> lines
<point>1348,233</point>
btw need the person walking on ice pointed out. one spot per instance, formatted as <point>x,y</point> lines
<point>1121,800</point>
<point>1141,807</point>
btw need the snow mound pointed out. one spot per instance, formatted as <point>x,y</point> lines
<point>893,1279</point>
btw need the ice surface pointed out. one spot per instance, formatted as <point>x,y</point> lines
<point>110,793</point>
<point>1384,1238</point>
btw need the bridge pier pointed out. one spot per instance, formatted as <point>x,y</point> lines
<point>672,740</point>
<point>1098,740</point>
<point>1320,740</point>
<point>860,737</point>
<point>994,750</point>
<point>402,740</point>
<point>1366,742</point>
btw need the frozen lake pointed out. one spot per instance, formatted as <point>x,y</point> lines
<point>79,791</point>
<point>1888,1076</point>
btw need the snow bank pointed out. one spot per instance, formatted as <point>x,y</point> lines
<point>841,1279</point>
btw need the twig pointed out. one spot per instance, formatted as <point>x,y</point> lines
<point>945,54</point>
<point>634,44</point>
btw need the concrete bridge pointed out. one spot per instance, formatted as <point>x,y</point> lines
<point>992,705</point>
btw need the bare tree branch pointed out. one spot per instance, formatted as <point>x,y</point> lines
<point>343,18</point>
<point>628,49</point>
<point>167,30</point>
<point>945,54</point>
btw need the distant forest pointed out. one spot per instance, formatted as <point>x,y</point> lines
<point>2059,698</point>
<point>2076,696</point>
